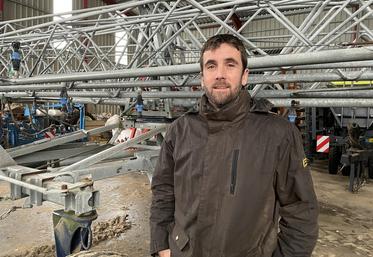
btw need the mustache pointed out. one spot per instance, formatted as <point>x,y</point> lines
<point>221,85</point>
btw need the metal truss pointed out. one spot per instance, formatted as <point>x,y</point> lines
<point>161,41</point>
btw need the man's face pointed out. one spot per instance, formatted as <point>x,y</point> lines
<point>222,76</point>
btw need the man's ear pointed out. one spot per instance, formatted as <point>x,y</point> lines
<point>245,77</point>
<point>202,84</point>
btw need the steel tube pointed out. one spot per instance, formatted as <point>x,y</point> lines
<point>131,73</point>
<point>113,150</point>
<point>336,65</point>
<point>317,102</point>
<point>24,184</point>
<point>330,56</point>
<point>10,91</point>
<point>284,102</point>
<point>311,77</point>
<point>44,144</point>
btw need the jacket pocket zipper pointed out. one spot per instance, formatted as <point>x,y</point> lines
<point>234,170</point>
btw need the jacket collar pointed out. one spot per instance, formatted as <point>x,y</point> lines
<point>234,110</point>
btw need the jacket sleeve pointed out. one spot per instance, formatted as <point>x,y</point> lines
<point>163,200</point>
<point>298,204</point>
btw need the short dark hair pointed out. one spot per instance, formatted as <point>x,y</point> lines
<point>215,41</point>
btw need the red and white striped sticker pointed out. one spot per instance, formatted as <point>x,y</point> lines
<point>322,144</point>
<point>49,135</point>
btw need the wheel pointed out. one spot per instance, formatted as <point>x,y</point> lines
<point>334,159</point>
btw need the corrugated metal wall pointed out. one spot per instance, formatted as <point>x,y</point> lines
<point>100,109</point>
<point>17,9</point>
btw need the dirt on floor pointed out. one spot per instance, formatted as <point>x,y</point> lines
<point>346,220</point>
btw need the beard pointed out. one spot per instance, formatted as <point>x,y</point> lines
<point>222,98</point>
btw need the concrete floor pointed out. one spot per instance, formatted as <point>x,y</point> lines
<point>346,220</point>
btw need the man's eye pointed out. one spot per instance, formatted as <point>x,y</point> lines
<point>210,66</point>
<point>231,65</point>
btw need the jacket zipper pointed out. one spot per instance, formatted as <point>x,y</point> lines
<point>234,170</point>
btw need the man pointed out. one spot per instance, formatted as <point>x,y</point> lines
<point>16,58</point>
<point>139,104</point>
<point>231,180</point>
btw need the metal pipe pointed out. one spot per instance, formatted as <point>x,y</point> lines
<point>131,73</point>
<point>155,31</point>
<point>113,150</point>
<point>44,144</point>
<point>336,65</point>
<point>317,102</point>
<point>354,92</point>
<point>215,18</point>
<point>285,22</point>
<point>311,77</point>
<point>23,184</point>
<point>169,40</point>
<point>308,22</point>
<point>42,52</point>
<point>365,32</point>
<point>350,92</point>
<point>253,79</point>
<point>105,94</point>
<point>329,56</point>
<point>277,102</point>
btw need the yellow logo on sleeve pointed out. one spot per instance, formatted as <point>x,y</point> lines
<point>305,162</point>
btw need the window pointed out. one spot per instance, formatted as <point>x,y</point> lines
<point>121,47</point>
<point>61,6</point>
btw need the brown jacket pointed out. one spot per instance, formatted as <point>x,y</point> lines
<point>232,183</point>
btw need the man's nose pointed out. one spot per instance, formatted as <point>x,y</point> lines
<point>220,73</point>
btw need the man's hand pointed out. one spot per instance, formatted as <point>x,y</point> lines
<point>165,253</point>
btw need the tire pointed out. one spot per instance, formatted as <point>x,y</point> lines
<point>334,160</point>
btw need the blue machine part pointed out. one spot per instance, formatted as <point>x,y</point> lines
<point>16,133</point>
<point>27,111</point>
<point>21,133</point>
<point>81,115</point>
<point>12,135</point>
<point>37,121</point>
<point>63,100</point>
